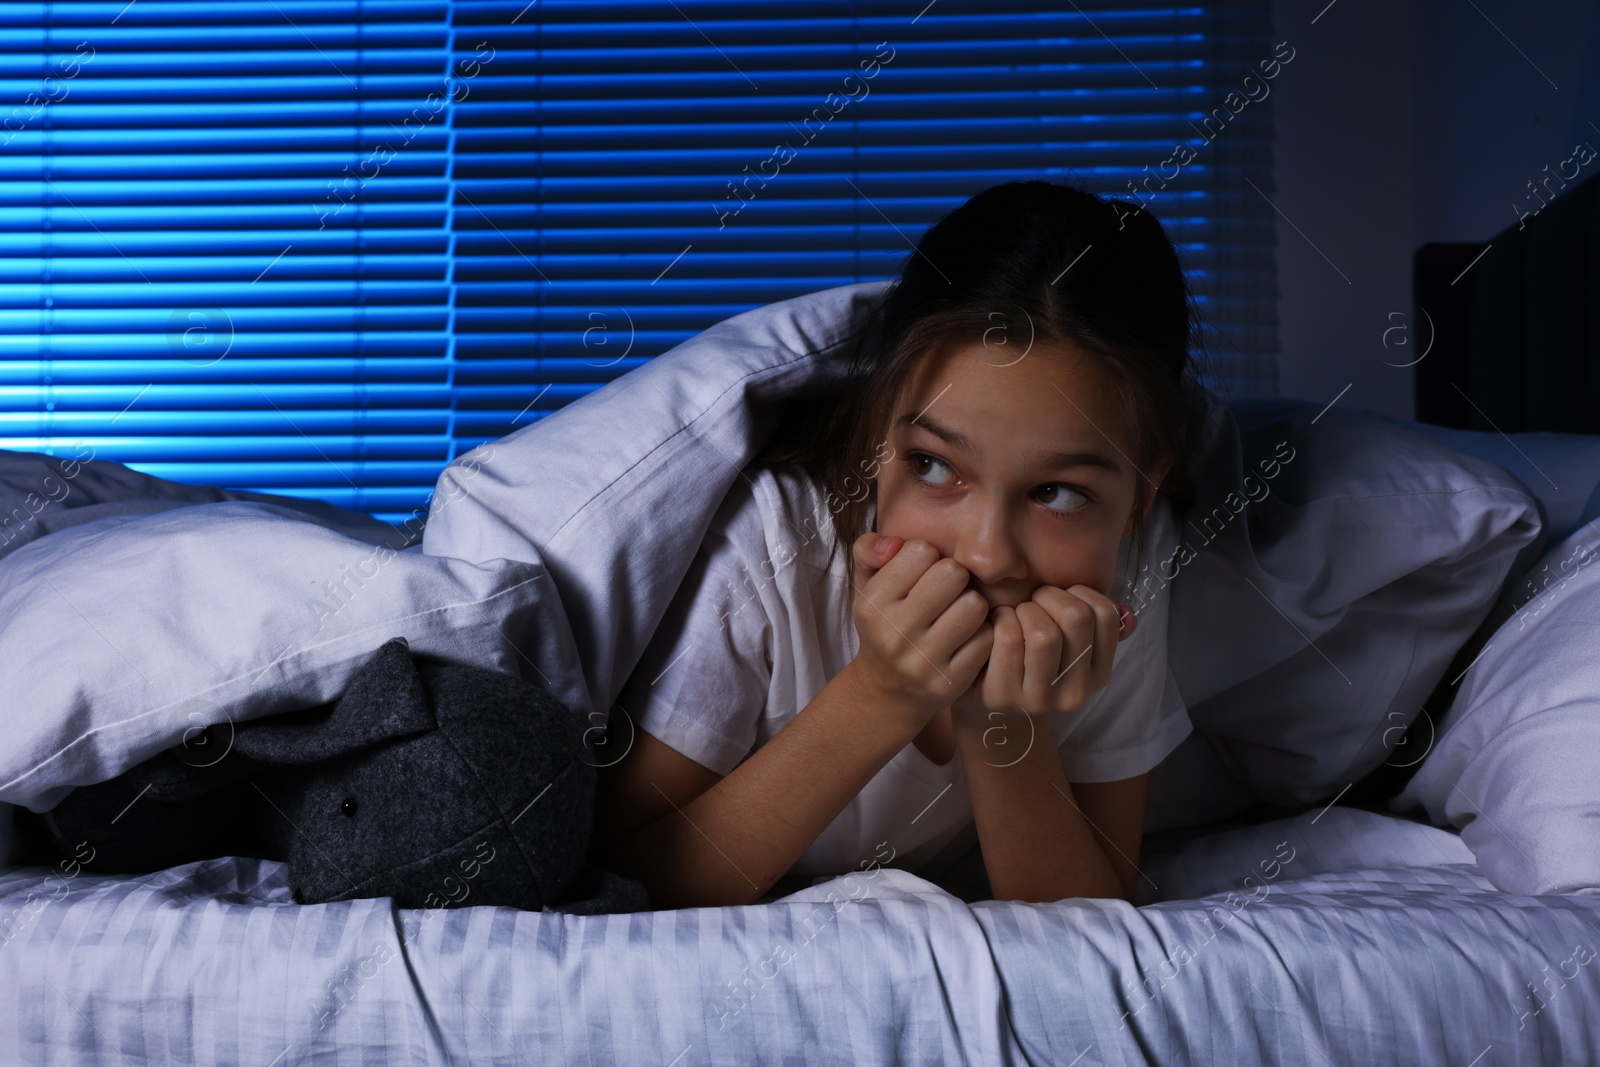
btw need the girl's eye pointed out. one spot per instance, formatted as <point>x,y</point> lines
<point>1062,501</point>
<point>1065,501</point>
<point>915,460</point>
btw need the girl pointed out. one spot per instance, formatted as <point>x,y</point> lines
<point>898,634</point>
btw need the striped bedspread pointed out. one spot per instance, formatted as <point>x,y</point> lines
<point>1335,937</point>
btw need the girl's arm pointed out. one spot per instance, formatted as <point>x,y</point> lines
<point>923,636</point>
<point>694,846</point>
<point>1044,839</point>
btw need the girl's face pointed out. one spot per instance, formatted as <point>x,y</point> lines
<point>1018,469</point>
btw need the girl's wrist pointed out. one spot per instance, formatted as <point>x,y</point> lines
<point>902,715</point>
<point>968,718</point>
<point>997,738</point>
<point>977,718</point>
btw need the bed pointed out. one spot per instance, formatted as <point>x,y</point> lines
<point>1364,948</point>
<point>1305,897</point>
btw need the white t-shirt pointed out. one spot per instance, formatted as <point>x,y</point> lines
<point>751,637</point>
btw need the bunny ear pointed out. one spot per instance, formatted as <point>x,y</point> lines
<point>384,701</point>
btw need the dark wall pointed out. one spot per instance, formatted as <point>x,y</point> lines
<point>1399,124</point>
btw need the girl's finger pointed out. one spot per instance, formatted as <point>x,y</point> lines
<point>870,558</point>
<point>1083,627</point>
<point>967,615</point>
<point>972,655</point>
<point>1043,649</point>
<point>1002,681</point>
<point>1107,626</point>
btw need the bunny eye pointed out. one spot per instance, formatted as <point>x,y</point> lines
<point>349,806</point>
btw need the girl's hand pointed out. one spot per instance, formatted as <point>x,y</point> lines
<point>1050,653</point>
<point>924,634</point>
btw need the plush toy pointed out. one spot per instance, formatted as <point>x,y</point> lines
<point>434,783</point>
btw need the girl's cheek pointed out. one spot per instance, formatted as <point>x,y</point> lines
<point>1089,560</point>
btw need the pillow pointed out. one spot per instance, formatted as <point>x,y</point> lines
<point>618,486</point>
<point>1382,547</point>
<point>615,491</point>
<point>1562,470</point>
<point>40,494</point>
<point>137,628</point>
<point>1333,564</point>
<point>1513,766</point>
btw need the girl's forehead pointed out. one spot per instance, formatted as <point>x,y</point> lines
<point>1017,368</point>
<point>1055,397</point>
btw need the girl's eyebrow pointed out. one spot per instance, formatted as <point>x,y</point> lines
<point>1042,460</point>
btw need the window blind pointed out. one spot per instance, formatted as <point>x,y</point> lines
<point>320,247</point>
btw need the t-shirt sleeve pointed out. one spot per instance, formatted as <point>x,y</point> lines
<point>702,684</point>
<point>1139,717</point>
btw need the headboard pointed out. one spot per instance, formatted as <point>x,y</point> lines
<point>1514,322</point>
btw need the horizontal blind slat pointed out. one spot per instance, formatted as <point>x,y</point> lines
<point>409,226</point>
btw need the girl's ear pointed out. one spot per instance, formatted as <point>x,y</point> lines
<point>1145,497</point>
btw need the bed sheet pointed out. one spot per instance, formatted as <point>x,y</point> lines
<point>1358,938</point>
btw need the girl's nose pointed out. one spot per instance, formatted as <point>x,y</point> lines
<point>990,549</point>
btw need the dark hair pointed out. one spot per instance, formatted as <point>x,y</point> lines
<point>1049,262</point>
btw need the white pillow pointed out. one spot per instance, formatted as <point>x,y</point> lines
<point>1384,547</point>
<point>1337,561</point>
<point>614,492</point>
<point>210,596</point>
<point>1514,762</point>
<point>126,631</point>
<point>1562,470</point>
<point>40,494</point>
